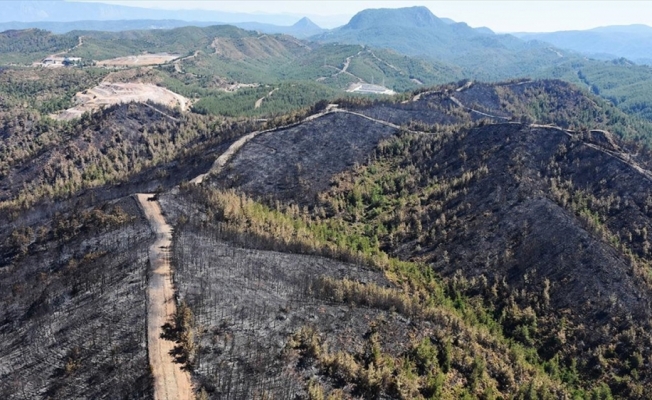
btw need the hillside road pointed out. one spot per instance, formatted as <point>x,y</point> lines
<point>170,381</point>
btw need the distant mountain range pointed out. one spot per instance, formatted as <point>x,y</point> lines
<point>412,31</point>
<point>630,41</point>
<point>65,11</point>
<point>301,29</point>
<point>106,26</point>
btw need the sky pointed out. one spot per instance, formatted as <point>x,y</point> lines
<point>500,16</point>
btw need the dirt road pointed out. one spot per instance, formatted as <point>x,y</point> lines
<point>170,381</point>
<point>221,161</point>
<point>80,41</point>
<point>259,102</point>
<point>225,157</point>
<point>343,70</point>
<point>459,104</point>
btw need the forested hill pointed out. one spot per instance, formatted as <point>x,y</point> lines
<point>623,83</point>
<point>98,45</point>
<point>221,57</point>
<point>32,44</point>
<point>224,69</point>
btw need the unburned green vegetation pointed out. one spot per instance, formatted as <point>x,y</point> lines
<point>283,97</point>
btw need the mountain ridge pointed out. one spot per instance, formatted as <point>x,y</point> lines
<point>629,41</point>
<point>64,11</point>
<point>301,29</point>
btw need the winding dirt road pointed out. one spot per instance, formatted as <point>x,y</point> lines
<point>621,156</point>
<point>80,41</point>
<point>170,381</point>
<point>259,102</point>
<point>343,70</point>
<point>221,161</point>
<point>484,114</point>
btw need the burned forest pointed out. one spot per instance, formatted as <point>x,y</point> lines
<point>470,240</point>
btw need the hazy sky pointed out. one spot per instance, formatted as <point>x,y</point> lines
<point>501,16</point>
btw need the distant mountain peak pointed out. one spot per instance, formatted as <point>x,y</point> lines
<point>418,16</point>
<point>305,23</point>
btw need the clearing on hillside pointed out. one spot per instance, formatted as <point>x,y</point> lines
<point>139,60</point>
<point>107,94</point>
<point>369,89</point>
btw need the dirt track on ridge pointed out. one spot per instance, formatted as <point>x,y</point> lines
<point>170,381</point>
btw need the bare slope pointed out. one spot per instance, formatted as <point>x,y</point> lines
<point>139,60</point>
<point>108,94</point>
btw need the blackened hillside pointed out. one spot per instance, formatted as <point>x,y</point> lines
<point>472,241</point>
<point>539,235</point>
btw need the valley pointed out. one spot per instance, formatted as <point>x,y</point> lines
<point>207,212</point>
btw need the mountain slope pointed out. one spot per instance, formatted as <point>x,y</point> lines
<point>73,317</point>
<point>624,84</point>
<point>23,46</point>
<point>416,31</point>
<point>454,244</point>
<point>535,224</point>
